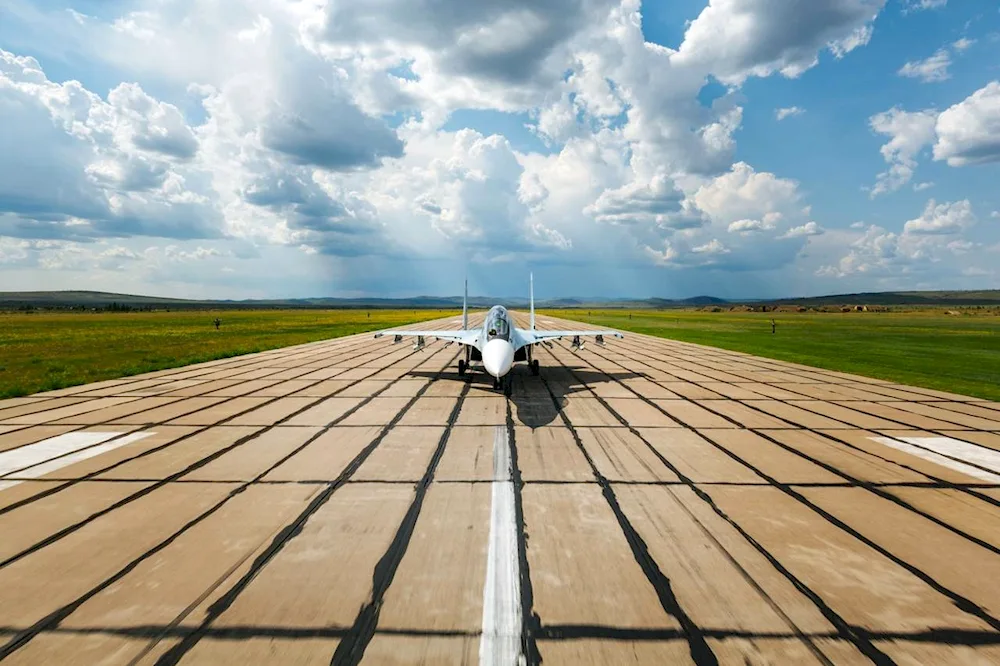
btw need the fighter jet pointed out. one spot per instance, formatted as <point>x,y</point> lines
<point>498,343</point>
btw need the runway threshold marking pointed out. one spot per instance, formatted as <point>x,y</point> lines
<point>500,642</point>
<point>49,455</point>
<point>948,452</point>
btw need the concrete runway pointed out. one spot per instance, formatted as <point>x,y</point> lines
<point>354,501</point>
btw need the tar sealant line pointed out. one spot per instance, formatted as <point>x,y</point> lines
<point>193,433</point>
<point>963,603</point>
<point>41,458</point>
<point>971,459</point>
<point>53,619</point>
<point>500,641</point>
<point>813,411</point>
<point>948,452</point>
<point>57,452</point>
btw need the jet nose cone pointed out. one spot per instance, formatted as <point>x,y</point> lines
<point>498,357</point>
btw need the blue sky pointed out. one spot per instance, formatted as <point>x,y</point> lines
<point>270,148</point>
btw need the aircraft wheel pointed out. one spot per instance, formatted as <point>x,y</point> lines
<point>508,386</point>
<point>534,367</point>
<point>461,367</point>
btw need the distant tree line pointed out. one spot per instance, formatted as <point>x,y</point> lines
<point>109,307</point>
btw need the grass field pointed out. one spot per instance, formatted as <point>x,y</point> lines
<point>40,352</point>
<point>922,348</point>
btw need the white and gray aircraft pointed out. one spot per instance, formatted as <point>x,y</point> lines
<point>498,343</point>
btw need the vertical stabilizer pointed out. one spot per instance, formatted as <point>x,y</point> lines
<point>531,296</point>
<point>465,307</point>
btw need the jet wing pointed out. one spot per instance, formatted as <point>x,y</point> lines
<point>469,337</point>
<point>532,337</point>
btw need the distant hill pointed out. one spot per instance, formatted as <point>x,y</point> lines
<point>982,297</point>
<point>86,300</point>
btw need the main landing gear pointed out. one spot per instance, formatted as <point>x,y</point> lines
<point>464,364</point>
<point>532,363</point>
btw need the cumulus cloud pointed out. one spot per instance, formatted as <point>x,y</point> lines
<point>929,70</point>
<point>310,118</point>
<point>946,218</point>
<point>873,252</point>
<point>744,193</point>
<point>149,125</point>
<point>783,113</point>
<point>969,132</point>
<point>329,134</point>
<point>920,5</point>
<point>461,54</point>
<point>88,168</point>
<point>909,134</point>
<point>807,229</point>
<point>712,247</point>
<point>759,215</point>
<point>931,240</point>
<point>964,134</point>
<point>735,39</point>
<point>750,226</point>
<point>658,202</point>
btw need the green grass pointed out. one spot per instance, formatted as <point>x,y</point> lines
<point>41,352</point>
<point>925,348</point>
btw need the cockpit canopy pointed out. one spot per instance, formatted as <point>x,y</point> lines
<point>497,325</point>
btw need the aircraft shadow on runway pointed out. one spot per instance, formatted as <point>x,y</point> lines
<point>532,396</point>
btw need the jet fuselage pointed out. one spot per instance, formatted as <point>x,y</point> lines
<point>501,341</point>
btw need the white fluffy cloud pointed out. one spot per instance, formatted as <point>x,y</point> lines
<point>748,220</point>
<point>946,218</point>
<point>807,229</point>
<point>969,132</point>
<point>929,70</point>
<point>963,44</point>
<point>919,5</point>
<point>930,240</point>
<point>963,134</point>
<point>658,202</point>
<point>327,135</point>
<point>909,134</point>
<point>735,39</point>
<point>788,112</point>
<point>120,167</point>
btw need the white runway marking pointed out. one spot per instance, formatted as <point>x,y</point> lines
<point>938,449</point>
<point>35,460</point>
<point>500,642</point>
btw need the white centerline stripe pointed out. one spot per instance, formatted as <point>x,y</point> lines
<point>938,450</point>
<point>500,642</point>
<point>35,460</point>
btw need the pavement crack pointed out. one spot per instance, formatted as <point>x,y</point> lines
<point>530,622</point>
<point>351,648</point>
<point>700,651</point>
<point>56,617</point>
<point>865,646</point>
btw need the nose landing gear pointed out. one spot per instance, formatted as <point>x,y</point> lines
<point>505,383</point>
